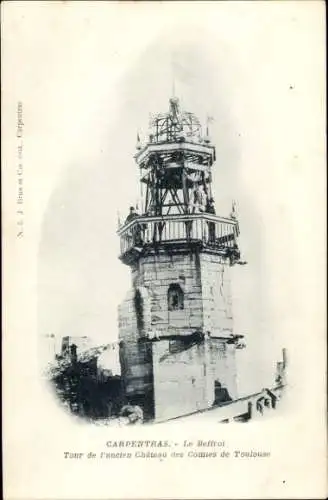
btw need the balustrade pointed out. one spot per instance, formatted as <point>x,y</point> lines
<point>205,228</point>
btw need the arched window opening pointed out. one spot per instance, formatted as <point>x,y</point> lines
<point>175,297</point>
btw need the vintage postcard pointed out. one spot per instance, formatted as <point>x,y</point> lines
<point>164,236</point>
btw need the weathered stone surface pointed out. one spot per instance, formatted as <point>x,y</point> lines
<point>179,381</point>
<point>182,382</point>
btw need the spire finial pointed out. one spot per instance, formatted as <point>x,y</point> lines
<point>138,145</point>
<point>209,119</point>
<point>233,213</point>
<point>172,77</point>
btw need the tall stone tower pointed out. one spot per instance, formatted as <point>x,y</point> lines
<point>177,346</point>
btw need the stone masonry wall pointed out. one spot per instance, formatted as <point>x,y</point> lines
<point>183,382</point>
<point>135,355</point>
<point>179,380</point>
<point>216,294</point>
<point>156,274</point>
<point>206,283</point>
<point>223,365</point>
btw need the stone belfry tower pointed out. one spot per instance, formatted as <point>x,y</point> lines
<point>177,346</point>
